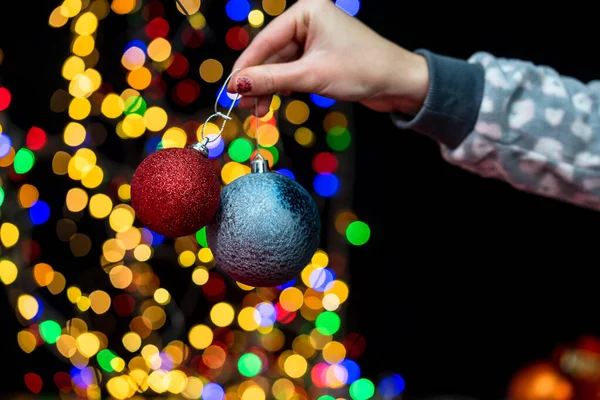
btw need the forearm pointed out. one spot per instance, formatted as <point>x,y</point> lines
<point>514,121</point>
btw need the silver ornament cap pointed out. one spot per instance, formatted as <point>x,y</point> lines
<point>259,165</point>
<point>201,147</point>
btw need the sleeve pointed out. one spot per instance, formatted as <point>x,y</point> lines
<point>512,120</point>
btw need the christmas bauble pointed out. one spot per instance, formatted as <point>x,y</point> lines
<point>266,229</point>
<point>175,191</point>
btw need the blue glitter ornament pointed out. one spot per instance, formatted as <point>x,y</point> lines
<point>266,229</point>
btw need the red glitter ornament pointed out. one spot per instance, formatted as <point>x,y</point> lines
<point>175,192</point>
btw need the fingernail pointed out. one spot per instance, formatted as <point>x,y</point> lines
<point>244,84</point>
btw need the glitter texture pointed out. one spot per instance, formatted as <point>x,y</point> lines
<point>266,229</point>
<point>175,192</point>
<point>244,84</point>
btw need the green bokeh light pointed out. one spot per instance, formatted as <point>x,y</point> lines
<point>326,397</point>
<point>1,196</point>
<point>201,237</point>
<point>274,152</point>
<point>24,160</point>
<point>135,105</point>
<point>249,365</point>
<point>358,233</point>
<point>338,138</point>
<point>240,150</point>
<point>328,323</point>
<point>105,358</point>
<point>50,331</point>
<point>362,389</point>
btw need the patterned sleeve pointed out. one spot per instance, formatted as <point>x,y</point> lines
<point>534,129</point>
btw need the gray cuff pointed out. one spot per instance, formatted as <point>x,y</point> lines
<point>452,104</point>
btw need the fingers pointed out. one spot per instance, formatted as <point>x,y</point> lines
<point>263,106</point>
<point>273,38</point>
<point>272,78</point>
<point>290,52</point>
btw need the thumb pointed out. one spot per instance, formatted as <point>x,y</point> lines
<point>267,79</point>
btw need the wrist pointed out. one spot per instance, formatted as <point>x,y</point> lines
<point>408,82</point>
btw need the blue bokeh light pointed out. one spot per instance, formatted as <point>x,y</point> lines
<point>286,172</point>
<point>391,386</point>
<point>152,144</point>
<point>326,184</point>
<point>5,144</point>
<point>39,212</point>
<point>226,98</point>
<point>216,148</point>
<point>137,43</point>
<point>238,10</point>
<point>353,370</point>
<point>157,238</point>
<point>213,391</point>
<point>321,101</point>
<point>321,278</point>
<point>287,285</point>
<point>351,7</point>
<point>267,314</point>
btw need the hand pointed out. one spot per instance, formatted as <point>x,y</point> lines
<point>315,47</point>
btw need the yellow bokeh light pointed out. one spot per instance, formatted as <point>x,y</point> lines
<point>283,389</point>
<point>9,234</point>
<point>130,238</point>
<point>74,134</point>
<point>273,7</point>
<point>8,272</point>
<point>73,294</point>
<point>222,314</point>
<point>121,276</point>
<point>178,381</point>
<point>133,58</point>
<point>139,78</point>
<point>275,103</point>
<point>100,205</point>
<point>83,303</point>
<point>156,119</point>
<point>233,170</point>
<point>197,21</point>
<point>112,106</point>
<point>122,218</point>
<point>93,178</point>
<point>334,119</point>
<point>100,301</point>
<point>193,388</point>
<point>70,8</point>
<point>86,24</point>
<point>174,137</point>
<point>190,6</point>
<point>205,255</point>
<point>60,162</point>
<point>200,276</point>
<point>334,352</point>
<point>66,345</point>
<point>200,337</point>
<point>339,289</point>
<point>268,135</point>
<point>211,70</point>
<point>76,200</point>
<point>295,366</point>
<point>124,192</point>
<point>28,306</point>
<point>187,258</point>
<point>8,159</point>
<point>158,381</point>
<point>72,67</point>
<point>27,341</point>
<point>43,274</point>
<point>88,344</point>
<point>304,136</point>
<point>159,49</point>
<point>57,19</point>
<point>123,6</point>
<point>134,125</point>
<point>132,341</point>
<point>256,18</point>
<point>119,388</point>
<point>297,112</point>
<point>58,283</point>
<point>291,299</point>
<point>143,252</point>
<point>83,45</point>
<point>81,86</point>
<point>162,296</point>
<point>79,108</point>
<point>28,195</point>
<point>247,319</point>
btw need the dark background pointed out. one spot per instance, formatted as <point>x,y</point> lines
<point>464,279</point>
